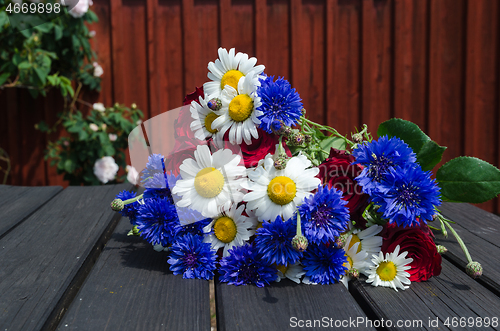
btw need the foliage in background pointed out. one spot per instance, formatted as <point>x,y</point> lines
<point>48,55</point>
<point>4,157</point>
<point>101,133</point>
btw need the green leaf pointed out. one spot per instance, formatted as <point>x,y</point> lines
<point>468,179</point>
<point>430,155</point>
<point>332,142</point>
<point>45,27</point>
<point>24,65</point>
<point>405,130</point>
<point>4,19</point>
<point>69,166</point>
<point>42,75</point>
<point>58,32</point>
<point>4,77</point>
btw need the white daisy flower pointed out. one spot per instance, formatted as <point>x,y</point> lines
<point>391,271</point>
<point>210,182</point>
<point>230,229</point>
<point>202,120</point>
<point>239,113</point>
<point>279,192</point>
<point>293,272</point>
<point>355,259</point>
<point>227,70</point>
<point>368,239</point>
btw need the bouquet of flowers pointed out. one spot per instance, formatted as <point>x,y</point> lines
<point>255,191</point>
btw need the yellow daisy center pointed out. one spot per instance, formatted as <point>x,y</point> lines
<point>354,240</point>
<point>349,263</point>
<point>231,78</point>
<point>281,190</point>
<point>282,268</point>
<point>386,271</point>
<point>208,122</point>
<point>209,182</point>
<point>241,107</point>
<point>225,229</point>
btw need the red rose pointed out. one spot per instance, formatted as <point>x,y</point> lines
<point>183,149</point>
<point>339,172</point>
<point>420,247</point>
<point>182,124</point>
<point>194,96</point>
<point>258,149</point>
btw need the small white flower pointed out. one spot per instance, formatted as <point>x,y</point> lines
<point>104,126</point>
<point>391,270</point>
<point>132,174</point>
<point>92,34</point>
<point>93,127</point>
<point>139,122</point>
<point>81,7</point>
<point>99,107</point>
<point>98,71</point>
<point>112,137</point>
<point>66,143</point>
<point>230,229</point>
<point>105,169</point>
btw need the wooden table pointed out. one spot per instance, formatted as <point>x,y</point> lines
<point>66,263</point>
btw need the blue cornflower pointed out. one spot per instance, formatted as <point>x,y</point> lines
<point>324,264</point>
<point>378,157</point>
<point>129,210</point>
<point>407,193</point>
<point>190,221</point>
<point>324,215</point>
<point>192,258</point>
<point>156,221</point>
<point>244,266</point>
<point>274,242</point>
<point>158,187</point>
<point>279,102</point>
<point>154,166</point>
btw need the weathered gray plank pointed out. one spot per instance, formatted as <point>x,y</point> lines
<point>480,231</point>
<point>19,202</point>
<point>44,259</point>
<point>275,307</point>
<point>131,288</point>
<point>452,294</point>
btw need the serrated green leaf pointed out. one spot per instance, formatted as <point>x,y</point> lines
<point>469,179</point>
<point>332,142</point>
<point>430,155</point>
<point>409,132</point>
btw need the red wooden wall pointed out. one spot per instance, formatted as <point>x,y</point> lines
<point>434,62</point>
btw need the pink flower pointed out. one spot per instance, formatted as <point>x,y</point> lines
<point>93,127</point>
<point>112,137</point>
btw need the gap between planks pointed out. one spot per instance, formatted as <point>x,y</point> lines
<point>72,290</point>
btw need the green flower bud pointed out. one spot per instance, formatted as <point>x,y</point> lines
<point>215,104</point>
<point>339,243</point>
<point>296,138</point>
<point>307,138</point>
<point>299,243</point>
<point>353,273</point>
<point>357,137</point>
<point>134,231</point>
<point>280,162</point>
<point>474,269</point>
<point>441,249</point>
<point>117,205</point>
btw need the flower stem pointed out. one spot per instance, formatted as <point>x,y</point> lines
<point>129,201</point>
<point>299,228</point>
<point>460,241</point>
<point>329,129</point>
